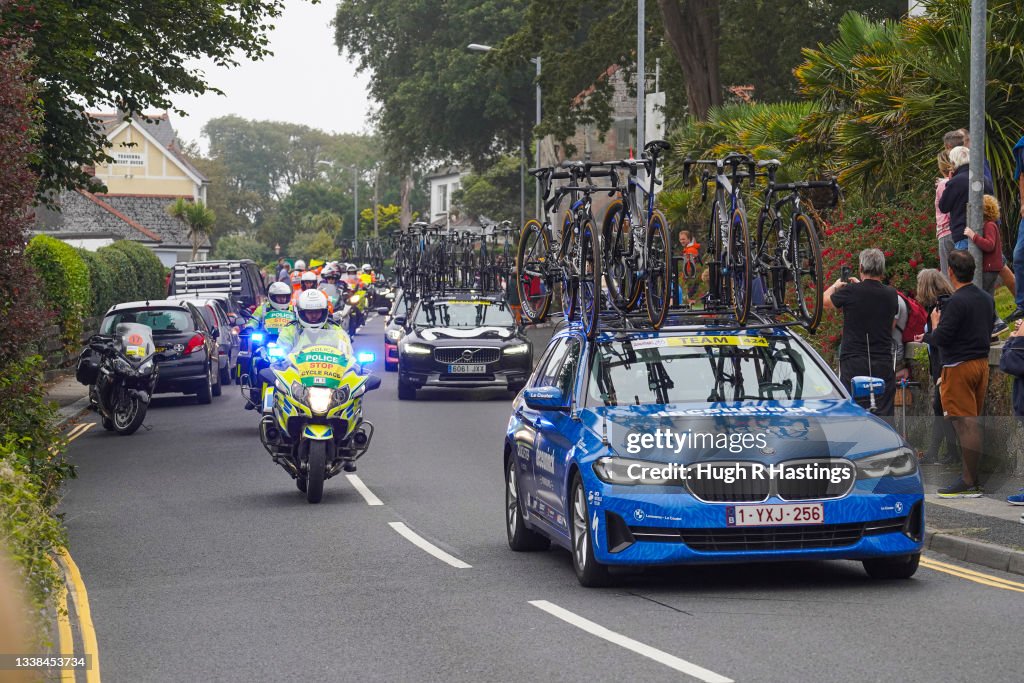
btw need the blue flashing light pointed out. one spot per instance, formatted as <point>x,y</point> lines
<point>257,336</point>
<point>275,351</point>
<point>364,357</point>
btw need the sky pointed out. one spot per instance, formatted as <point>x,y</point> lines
<point>305,81</point>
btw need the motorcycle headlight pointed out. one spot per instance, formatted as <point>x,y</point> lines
<point>353,300</point>
<point>256,337</point>
<point>517,350</point>
<point>122,366</point>
<point>341,395</point>
<point>416,350</point>
<point>275,352</point>
<point>147,367</point>
<point>320,400</point>
<point>393,335</point>
<point>898,463</point>
<point>298,390</point>
<point>629,472</point>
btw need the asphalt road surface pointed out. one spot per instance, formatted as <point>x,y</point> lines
<point>204,563</point>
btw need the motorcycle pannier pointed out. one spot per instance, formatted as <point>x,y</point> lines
<point>88,367</point>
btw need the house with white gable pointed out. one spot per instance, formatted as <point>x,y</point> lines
<point>148,172</point>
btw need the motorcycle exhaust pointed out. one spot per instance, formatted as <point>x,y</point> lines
<point>361,438</point>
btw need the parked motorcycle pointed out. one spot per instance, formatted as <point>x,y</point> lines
<point>312,423</point>
<point>121,373</point>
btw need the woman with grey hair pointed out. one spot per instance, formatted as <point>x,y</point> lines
<point>954,197</point>
<point>933,288</point>
<point>869,310</point>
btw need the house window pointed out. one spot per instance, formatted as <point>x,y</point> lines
<point>128,159</point>
<point>624,137</point>
<point>442,197</point>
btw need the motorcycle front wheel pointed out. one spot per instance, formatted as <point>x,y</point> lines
<point>129,412</point>
<point>316,461</point>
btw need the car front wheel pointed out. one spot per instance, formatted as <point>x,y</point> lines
<point>589,572</point>
<point>520,538</point>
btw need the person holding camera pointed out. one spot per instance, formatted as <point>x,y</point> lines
<point>933,291</point>
<point>869,311</point>
<point>960,329</point>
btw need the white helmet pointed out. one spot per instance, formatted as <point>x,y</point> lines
<point>280,295</point>
<point>311,309</point>
<point>308,278</point>
<point>300,265</point>
<point>367,268</point>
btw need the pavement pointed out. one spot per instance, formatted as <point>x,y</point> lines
<point>203,562</point>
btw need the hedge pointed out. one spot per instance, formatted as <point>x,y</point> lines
<point>148,270</point>
<point>126,283</point>
<point>102,278</point>
<point>66,286</point>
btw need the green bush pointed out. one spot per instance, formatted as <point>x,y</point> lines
<point>126,285</point>
<point>241,247</point>
<point>66,288</point>
<point>101,279</point>
<point>148,269</point>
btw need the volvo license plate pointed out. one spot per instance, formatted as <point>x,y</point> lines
<point>467,369</point>
<point>774,515</point>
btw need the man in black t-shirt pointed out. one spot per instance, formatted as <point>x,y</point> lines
<point>869,312</point>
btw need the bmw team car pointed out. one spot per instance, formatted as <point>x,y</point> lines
<point>462,341</point>
<point>702,444</point>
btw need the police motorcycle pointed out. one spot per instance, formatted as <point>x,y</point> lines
<point>121,373</point>
<point>266,324</point>
<point>312,423</point>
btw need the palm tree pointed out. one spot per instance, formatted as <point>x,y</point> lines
<point>197,217</point>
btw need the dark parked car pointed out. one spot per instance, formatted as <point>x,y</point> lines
<point>227,338</point>
<point>462,343</point>
<point>177,325</point>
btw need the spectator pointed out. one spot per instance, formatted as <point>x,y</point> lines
<point>991,249</point>
<point>283,269</point>
<point>1012,363</point>
<point>869,310</point>
<point>941,218</point>
<point>960,329</point>
<point>933,286</point>
<point>954,197</point>
<point>690,265</point>
<point>1018,249</point>
<point>962,138</point>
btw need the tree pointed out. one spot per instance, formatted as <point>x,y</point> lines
<point>197,218</point>
<point>241,247</point>
<point>389,219</point>
<point>129,55</point>
<point>494,193</point>
<point>692,28</point>
<point>314,245</point>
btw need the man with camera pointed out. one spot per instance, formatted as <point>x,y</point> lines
<point>869,313</point>
<point>961,329</point>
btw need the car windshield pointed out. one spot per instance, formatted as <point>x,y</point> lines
<point>160,320</point>
<point>465,314</point>
<point>705,369</point>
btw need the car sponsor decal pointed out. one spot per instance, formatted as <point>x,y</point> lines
<point>523,452</point>
<point>545,461</point>
<point>699,340</point>
<point>594,498</point>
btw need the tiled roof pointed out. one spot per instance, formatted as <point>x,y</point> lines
<point>151,211</point>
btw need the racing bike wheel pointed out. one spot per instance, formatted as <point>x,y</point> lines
<point>588,571</point>
<point>568,277</point>
<point>590,278</point>
<point>316,466</point>
<point>658,278</point>
<point>532,256</point>
<point>520,539</point>
<point>739,265</point>
<point>616,231</point>
<point>806,271</point>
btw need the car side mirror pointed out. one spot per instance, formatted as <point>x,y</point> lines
<point>215,332</point>
<point>864,386</point>
<point>372,382</point>
<point>383,310</point>
<point>544,398</point>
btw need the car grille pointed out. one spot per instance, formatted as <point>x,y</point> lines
<point>750,489</point>
<point>452,354</point>
<point>744,539</point>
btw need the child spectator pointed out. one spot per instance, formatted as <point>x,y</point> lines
<point>942,233</point>
<point>992,250</point>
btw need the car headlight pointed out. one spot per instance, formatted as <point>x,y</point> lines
<point>298,391</point>
<point>416,349</point>
<point>516,350</point>
<point>629,472</point>
<point>393,335</point>
<point>320,400</point>
<point>898,463</point>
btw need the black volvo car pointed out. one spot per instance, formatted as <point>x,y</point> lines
<point>462,342</point>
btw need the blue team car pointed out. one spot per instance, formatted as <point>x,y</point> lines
<point>705,443</point>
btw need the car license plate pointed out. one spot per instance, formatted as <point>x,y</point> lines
<point>467,369</point>
<point>774,515</point>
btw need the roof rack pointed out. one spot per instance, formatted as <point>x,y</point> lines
<point>684,320</point>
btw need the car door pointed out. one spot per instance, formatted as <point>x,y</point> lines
<point>528,436</point>
<point>557,434</point>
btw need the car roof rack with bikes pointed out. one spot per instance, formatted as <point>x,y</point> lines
<point>683,320</point>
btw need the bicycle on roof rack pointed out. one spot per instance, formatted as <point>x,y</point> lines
<point>729,272</point>
<point>786,249</point>
<point>637,250</point>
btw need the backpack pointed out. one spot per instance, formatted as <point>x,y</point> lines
<point>916,318</point>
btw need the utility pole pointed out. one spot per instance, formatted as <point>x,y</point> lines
<point>522,178</point>
<point>641,76</point>
<point>376,184</point>
<point>540,209</point>
<point>977,130</point>
<point>355,208</point>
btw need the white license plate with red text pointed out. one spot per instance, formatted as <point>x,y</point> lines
<point>774,515</point>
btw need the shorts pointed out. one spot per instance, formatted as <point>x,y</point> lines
<point>962,388</point>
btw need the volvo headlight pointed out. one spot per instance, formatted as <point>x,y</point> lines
<point>298,391</point>
<point>629,472</point>
<point>517,350</point>
<point>393,335</point>
<point>898,463</point>
<point>416,349</point>
<point>320,400</point>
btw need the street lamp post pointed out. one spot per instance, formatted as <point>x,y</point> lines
<point>477,47</point>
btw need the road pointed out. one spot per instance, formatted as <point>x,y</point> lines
<point>204,563</point>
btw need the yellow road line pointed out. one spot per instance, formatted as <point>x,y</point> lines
<point>79,430</point>
<point>970,575</point>
<point>65,640</point>
<point>81,599</point>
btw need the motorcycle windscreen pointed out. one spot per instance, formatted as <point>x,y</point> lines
<point>136,339</point>
<point>322,357</point>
